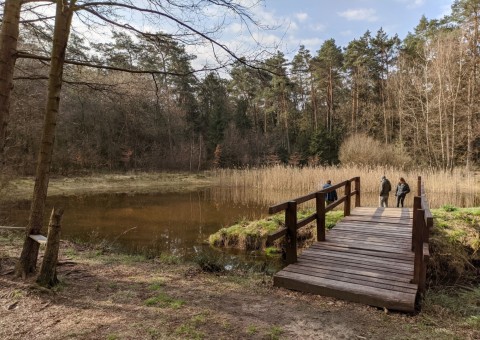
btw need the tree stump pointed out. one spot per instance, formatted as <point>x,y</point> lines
<point>48,271</point>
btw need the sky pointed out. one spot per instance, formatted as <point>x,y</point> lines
<point>291,23</point>
<point>311,22</point>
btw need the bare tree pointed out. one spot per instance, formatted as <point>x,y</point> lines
<point>108,12</point>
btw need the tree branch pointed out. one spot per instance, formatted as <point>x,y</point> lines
<point>25,55</point>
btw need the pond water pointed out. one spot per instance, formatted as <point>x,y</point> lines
<point>173,223</point>
<point>170,223</point>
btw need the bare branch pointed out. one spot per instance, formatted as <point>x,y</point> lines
<point>25,55</point>
<point>213,42</point>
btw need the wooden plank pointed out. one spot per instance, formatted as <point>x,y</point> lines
<point>402,280</point>
<point>368,246</point>
<point>306,220</point>
<point>363,227</point>
<point>276,235</point>
<point>402,215</point>
<point>364,239</point>
<point>380,258</point>
<point>363,254</point>
<point>39,238</point>
<point>377,219</point>
<point>342,264</point>
<point>350,278</point>
<point>329,246</point>
<point>352,292</point>
<point>391,238</point>
<point>342,230</point>
<point>352,259</point>
<point>377,224</point>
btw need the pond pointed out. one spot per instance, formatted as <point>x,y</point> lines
<point>173,223</point>
<point>170,223</point>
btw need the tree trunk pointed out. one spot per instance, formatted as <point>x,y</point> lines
<point>8,50</point>
<point>63,18</point>
<point>48,271</point>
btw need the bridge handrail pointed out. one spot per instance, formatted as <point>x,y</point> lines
<point>291,223</point>
<point>422,224</point>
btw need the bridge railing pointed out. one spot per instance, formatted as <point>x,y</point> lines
<point>422,224</point>
<point>292,224</point>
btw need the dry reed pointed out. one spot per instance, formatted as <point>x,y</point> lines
<point>277,183</point>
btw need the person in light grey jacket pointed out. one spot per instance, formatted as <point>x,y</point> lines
<point>385,188</point>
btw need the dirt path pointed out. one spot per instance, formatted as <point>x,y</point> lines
<point>126,297</point>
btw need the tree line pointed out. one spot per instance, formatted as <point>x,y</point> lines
<point>418,95</point>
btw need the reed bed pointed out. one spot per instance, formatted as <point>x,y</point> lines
<point>276,183</point>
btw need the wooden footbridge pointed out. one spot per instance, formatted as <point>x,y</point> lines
<point>375,256</point>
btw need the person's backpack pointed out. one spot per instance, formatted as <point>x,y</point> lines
<point>407,188</point>
<point>388,186</point>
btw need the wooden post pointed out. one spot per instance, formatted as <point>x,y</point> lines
<point>48,271</point>
<point>419,186</point>
<point>291,237</point>
<point>320,202</point>
<point>346,207</point>
<point>357,189</point>
<point>417,204</point>
<point>418,247</point>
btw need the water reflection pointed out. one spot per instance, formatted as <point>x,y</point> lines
<point>173,223</point>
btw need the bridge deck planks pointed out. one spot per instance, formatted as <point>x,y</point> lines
<point>366,258</point>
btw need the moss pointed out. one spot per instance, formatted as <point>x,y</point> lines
<point>245,235</point>
<point>252,235</point>
<point>272,251</point>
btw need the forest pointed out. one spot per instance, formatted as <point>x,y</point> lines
<point>415,98</point>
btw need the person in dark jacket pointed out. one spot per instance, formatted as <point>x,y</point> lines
<point>402,190</point>
<point>385,188</point>
<point>331,196</point>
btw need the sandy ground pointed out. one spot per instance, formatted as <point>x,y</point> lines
<point>108,296</point>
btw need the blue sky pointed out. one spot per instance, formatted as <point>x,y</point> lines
<point>311,22</point>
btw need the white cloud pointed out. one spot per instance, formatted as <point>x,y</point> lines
<point>360,14</point>
<point>318,27</point>
<point>301,16</point>
<point>413,3</point>
<point>346,33</point>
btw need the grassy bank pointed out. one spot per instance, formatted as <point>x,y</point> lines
<point>22,188</point>
<point>252,235</point>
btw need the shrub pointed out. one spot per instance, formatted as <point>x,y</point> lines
<point>364,150</point>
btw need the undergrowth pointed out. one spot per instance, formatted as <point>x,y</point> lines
<point>454,246</point>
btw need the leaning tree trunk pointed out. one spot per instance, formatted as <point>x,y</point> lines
<point>63,18</point>
<point>8,51</point>
<point>48,272</point>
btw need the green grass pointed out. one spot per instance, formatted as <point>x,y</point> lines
<point>157,285</point>
<point>164,301</point>
<point>251,330</point>
<point>454,246</point>
<point>274,333</point>
<point>189,330</point>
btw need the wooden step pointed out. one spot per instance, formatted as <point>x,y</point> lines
<point>39,238</point>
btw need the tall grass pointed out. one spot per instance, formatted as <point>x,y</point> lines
<point>276,183</point>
